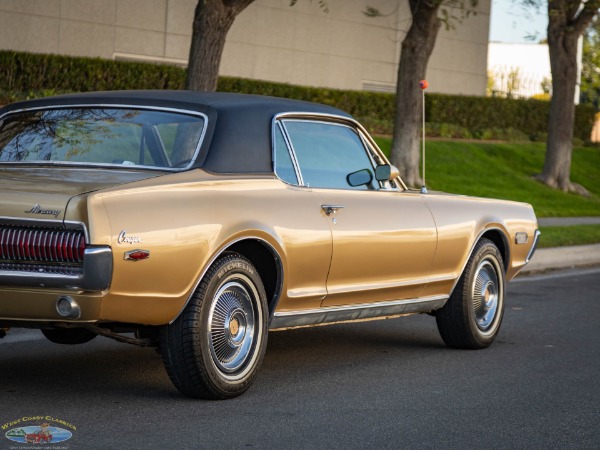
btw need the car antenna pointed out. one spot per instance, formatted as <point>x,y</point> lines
<point>423,84</point>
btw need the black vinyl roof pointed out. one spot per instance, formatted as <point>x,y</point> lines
<point>238,136</point>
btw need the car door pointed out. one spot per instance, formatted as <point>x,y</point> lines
<point>306,238</point>
<point>383,239</point>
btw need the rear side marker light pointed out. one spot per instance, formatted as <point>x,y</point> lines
<point>136,255</point>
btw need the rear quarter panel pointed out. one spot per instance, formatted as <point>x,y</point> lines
<point>186,220</point>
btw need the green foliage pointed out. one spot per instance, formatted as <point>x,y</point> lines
<point>322,4</point>
<point>358,103</point>
<point>530,116</point>
<point>451,12</point>
<point>546,85</point>
<point>503,134</point>
<point>447,130</point>
<point>507,171</point>
<point>590,71</point>
<point>453,131</point>
<point>24,73</point>
<point>571,235</point>
<point>27,75</point>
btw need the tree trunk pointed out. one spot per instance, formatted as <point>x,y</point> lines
<point>566,22</point>
<point>563,63</point>
<point>212,21</point>
<point>414,57</point>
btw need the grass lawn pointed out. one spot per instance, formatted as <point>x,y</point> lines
<point>506,171</point>
<point>574,235</point>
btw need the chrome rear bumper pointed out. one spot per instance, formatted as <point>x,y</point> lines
<point>94,275</point>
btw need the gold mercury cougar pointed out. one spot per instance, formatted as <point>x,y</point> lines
<point>200,221</point>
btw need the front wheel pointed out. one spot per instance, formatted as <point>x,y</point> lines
<point>472,316</point>
<point>215,347</point>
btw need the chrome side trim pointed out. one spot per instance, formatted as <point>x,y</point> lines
<point>534,246</point>
<point>333,314</point>
<point>19,322</point>
<point>95,276</point>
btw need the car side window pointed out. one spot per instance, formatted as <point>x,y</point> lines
<point>330,155</point>
<point>284,167</point>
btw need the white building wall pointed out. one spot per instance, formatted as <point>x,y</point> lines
<point>531,60</point>
<point>270,40</point>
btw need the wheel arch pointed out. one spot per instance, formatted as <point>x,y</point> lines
<point>268,263</point>
<point>500,240</point>
<point>498,237</point>
<point>473,314</point>
<point>263,256</point>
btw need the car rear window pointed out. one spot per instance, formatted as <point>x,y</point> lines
<point>101,136</point>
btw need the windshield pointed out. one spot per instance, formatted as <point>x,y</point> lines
<point>101,136</point>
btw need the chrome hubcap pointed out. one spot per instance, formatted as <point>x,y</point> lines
<point>486,295</point>
<point>232,322</point>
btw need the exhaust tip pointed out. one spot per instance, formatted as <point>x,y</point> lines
<point>67,307</point>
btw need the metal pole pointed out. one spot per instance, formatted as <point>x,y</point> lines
<point>423,85</point>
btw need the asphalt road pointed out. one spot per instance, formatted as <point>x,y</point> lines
<point>388,384</point>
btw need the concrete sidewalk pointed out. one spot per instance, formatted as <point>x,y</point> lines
<point>567,221</point>
<point>557,258</point>
<point>563,258</point>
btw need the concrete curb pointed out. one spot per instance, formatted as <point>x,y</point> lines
<point>563,258</point>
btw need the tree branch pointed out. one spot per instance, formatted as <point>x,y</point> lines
<point>585,17</point>
<point>236,6</point>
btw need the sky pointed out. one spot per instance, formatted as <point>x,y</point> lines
<point>511,22</point>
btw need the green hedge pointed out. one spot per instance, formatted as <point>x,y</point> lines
<point>29,72</point>
<point>480,113</point>
<point>27,75</point>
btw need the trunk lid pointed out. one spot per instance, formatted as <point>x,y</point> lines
<point>43,193</point>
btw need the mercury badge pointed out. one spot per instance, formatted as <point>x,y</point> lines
<point>37,209</point>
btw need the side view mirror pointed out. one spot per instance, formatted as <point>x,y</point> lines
<point>360,178</point>
<point>386,172</point>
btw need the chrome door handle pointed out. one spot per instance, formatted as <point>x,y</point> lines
<point>331,209</point>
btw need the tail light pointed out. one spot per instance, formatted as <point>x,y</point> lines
<point>41,245</point>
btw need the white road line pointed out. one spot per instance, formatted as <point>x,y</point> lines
<point>557,274</point>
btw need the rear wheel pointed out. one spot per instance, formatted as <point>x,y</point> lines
<point>69,336</point>
<point>216,346</point>
<point>472,316</point>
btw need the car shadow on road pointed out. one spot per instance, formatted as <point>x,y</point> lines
<point>37,368</point>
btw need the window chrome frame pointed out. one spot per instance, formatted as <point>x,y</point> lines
<point>180,111</point>
<point>290,150</point>
<point>372,149</point>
